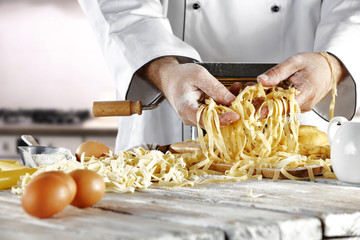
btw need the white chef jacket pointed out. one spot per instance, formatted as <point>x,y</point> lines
<point>134,32</point>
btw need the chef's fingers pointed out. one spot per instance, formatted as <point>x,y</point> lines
<point>264,112</point>
<point>228,118</point>
<point>225,119</point>
<point>249,84</point>
<point>235,88</point>
<point>188,104</point>
<point>258,102</point>
<point>214,89</point>
<point>282,71</point>
<point>189,116</point>
<point>307,92</point>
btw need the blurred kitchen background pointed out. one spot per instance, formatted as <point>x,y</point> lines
<point>51,70</point>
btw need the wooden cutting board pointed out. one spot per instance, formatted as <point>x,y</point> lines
<point>190,147</point>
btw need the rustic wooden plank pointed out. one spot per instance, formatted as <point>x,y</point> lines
<point>90,223</point>
<point>337,205</point>
<point>336,182</point>
<point>231,210</point>
<point>237,222</point>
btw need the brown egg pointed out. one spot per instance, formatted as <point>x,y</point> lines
<point>91,148</point>
<point>90,188</point>
<point>45,195</point>
<point>69,181</point>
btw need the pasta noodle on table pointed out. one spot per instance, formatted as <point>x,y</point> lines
<point>248,145</point>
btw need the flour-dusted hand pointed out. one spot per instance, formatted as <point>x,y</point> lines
<point>185,87</point>
<point>309,73</point>
<point>237,87</point>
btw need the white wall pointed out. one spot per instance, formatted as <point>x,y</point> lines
<point>49,57</point>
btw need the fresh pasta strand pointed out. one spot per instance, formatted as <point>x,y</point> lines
<point>254,142</point>
<point>333,85</point>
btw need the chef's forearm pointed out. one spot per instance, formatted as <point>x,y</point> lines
<point>157,71</point>
<point>337,33</point>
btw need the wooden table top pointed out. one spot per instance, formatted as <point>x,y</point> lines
<point>284,209</point>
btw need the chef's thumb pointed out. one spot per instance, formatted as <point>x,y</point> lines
<point>279,73</point>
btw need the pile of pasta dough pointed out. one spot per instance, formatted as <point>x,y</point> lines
<point>256,142</point>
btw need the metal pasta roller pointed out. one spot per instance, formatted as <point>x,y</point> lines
<point>226,73</point>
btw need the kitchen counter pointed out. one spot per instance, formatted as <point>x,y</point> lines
<point>69,136</point>
<point>284,209</point>
<point>95,126</point>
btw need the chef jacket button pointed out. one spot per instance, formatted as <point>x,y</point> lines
<point>275,8</point>
<point>196,6</point>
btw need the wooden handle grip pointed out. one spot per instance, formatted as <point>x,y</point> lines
<point>116,108</point>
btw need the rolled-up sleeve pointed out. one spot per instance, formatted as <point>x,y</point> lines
<point>132,33</point>
<point>339,34</point>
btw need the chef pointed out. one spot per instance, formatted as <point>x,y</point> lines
<point>151,46</point>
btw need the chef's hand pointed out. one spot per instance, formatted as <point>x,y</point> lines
<point>235,89</point>
<point>309,73</point>
<point>185,86</point>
